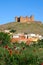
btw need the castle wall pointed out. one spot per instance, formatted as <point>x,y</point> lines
<point>24,19</point>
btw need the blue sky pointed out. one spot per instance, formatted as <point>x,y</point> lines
<point>11,8</point>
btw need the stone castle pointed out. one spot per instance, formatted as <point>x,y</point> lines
<point>24,19</point>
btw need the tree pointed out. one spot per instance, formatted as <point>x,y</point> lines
<point>4,38</point>
<point>12,31</point>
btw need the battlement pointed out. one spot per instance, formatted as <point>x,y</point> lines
<point>24,19</point>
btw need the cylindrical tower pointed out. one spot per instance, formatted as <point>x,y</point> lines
<point>16,18</point>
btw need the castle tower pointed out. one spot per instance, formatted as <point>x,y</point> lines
<point>31,18</point>
<point>16,18</point>
<point>21,19</point>
<point>27,19</point>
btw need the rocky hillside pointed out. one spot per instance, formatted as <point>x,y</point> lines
<point>35,27</point>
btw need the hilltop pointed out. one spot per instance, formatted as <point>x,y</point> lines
<point>33,27</point>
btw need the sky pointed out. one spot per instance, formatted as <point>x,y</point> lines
<point>11,8</point>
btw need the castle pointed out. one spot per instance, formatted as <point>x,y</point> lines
<point>24,19</point>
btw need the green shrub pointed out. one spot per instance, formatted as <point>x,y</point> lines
<point>5,38</point>
<point>12,31</point>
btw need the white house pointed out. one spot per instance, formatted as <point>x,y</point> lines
<point>15,36</point>
<point>6,31</point>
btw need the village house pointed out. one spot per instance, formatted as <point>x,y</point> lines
<point>21,37</point>
<point>25,38</point>
<point>7,31</point>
